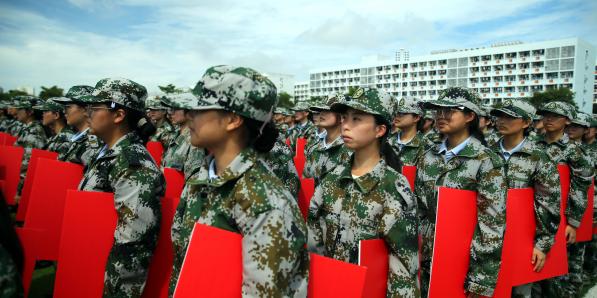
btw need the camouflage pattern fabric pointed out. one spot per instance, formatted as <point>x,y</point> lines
<point>410,153</point>
<point>281,163</point>
<point>164,133</point>
<point>183,156</point>
<point>31,135</point>
<point>82,150</point>
<point>10,278</point>
<point>324,158</point>
<point>60,142</point>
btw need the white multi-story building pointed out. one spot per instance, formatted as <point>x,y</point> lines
<point>301,91</point>
<point>496,72</point>
<point>284,82</point>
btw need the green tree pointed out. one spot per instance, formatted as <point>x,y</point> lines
<point>11,93</point>
<point>170,88</point>
<point>53,91</point>
<point>285,100</point>
<point>561,94</point>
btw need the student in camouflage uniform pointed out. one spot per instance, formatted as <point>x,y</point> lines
<point>31,135</point>
<point>486,126</point>
<point>578,126</point>
<point>124,167</point>
<point>366,198</point>
<point>13,127</point>
<point>330,152</point>
<point>526,165</point>
<point>409,144</point>
<point>83,145</point>
<point>181,155</point>
<point>53,118</point>
<point>157,112</point>
<point>590,259</point>
<point>303,128</point>
<point>236,191</point>
<point>461,161</point>
<point>560,149</point>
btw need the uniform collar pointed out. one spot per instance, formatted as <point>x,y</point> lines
<point>239,165</point>
<point>124,142</point>
<point>367,182</point>
<point>562,142</point>
<point>471,148</point>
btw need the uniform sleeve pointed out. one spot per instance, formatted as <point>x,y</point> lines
<point>314,222</point>
<point>274,253</point>
<point>581,173</point>
<point>136,199</point>
<point>486,247</point>
<point>400,231</point>
<point>547,202</point>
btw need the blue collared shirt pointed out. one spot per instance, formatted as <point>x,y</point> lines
<point>211,172</point>
<point>79,135</point>
<point>400,143</point>
<point>449,154</point>
<point>507,154</point>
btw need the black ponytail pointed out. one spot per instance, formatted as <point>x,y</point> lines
<point>388,154</point>
<point>138,122</point>
<point>261,138</point>
<point>474,130</point>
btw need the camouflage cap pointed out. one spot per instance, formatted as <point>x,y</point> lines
<point>409,105</point>
<point>582,119</point>
<point>155,103</point>
<point>241,90</point>
<point>50,105</point>
<point>24,102</point>
<point>429,114</point>
<point>594,121</point>
<point>74,94</point>
<point>121,91</point>
<point>368,100</point>
<point>517,108</point>
<point>180,101</point>
<point>558,107</point>
<point>301,106</point>
<point>326,105</point>
<point>454,97</point>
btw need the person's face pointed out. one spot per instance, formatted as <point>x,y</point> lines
<point>403,121</point>
<point>278,118</point>
<point>75,114</point>
<point>178,117</point>
<point>428,124</point>
<point>452,120</point>
<point>538,124</point>
<point>590,133</point>
<point>507,125</point>
<point>22,115</point>
<point>359,129</point>
<point>289,120</point>
<point>483,122</point>
<point>49,117</point>
<point>575,132</point>
<point>208,128</point>
<point>554,122</point>
<point>316,118</point>
<point>300,116</point>
<point>12,111</point>
<point>103,120</point>
<point>156,115</point>
<point>329,119</point>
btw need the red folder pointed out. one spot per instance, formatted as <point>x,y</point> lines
<point>455,224</point>
<point>156,150</point>
<point>213,264</point>
<point>174,182</point>
<point>11,158</point>
<point>299,158</point>
<point>374,255</point>
<point>305,194</point>
<point>410,172</point>
<point>31,168</point>
<point>585,230</point>
<point>7,139</point>
<point>332,278</point>
<point>87,238</point>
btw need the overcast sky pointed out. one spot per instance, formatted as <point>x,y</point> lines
<point>156,42</point>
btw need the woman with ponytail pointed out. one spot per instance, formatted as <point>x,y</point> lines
<point>235,190</point>
<point>366,198</point>
<point>409,144</point>
<point>53,119</point>
<point>124,167</point>
<point>462,161</point>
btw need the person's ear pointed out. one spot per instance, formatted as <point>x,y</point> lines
<point>380,130</point>
<point>119,116</point>
<point>526,124</point>
<point>234,121</point>
<point>469,117</point>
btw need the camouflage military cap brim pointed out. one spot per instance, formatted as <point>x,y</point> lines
<point>301,106</point>
<point>582,119</point>
<point>180,101</point>
<point>409,105</point>
<point>327,104</point>
<point>559,108</point>
<point>287,112</point>
<point>368,100</point>
<point>454,97</point>
<point>155,104</point>
<point>241,90</point>
<point>24,102</point>
<point>124,92</point>
<point>50,105</point>
<point>429,114</point>
<point>78,91</point>
<point>517,108</point>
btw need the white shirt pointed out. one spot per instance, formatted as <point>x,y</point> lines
<point>449,154</point>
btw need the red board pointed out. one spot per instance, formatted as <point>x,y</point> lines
<point>410,172</point>
<point>156,150</point>
<point>87,238</point>
<point>585,230</point>
<point>7,139</point>
<point>332,278</point>
<point>455,224</point>
<point>519,241</point>
<point>11,158</point>
<point>46,203</point>
<point>27,238</point>
<point>213,264</point>
<point>174,183</point>
<point>299,158</point>
<point>31,168</point>
<point>160,268</point>
<point>374,255</point>
<point>305,195</point>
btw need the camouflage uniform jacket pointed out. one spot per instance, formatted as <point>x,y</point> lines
<point>582,170</point>
<point>323,159</point>
<point>128,171</point>
<point>183,156</point>
<point>379,204</point>
<point>14,127</point>
<point>10,278</point>
<point>531,167</point>
<point>60,142</point>
<point>164,134</point>
<point>411,152</point>
<point>491,136</point>
<point>306,131</point>
<point>591,151</point>
<point>83,148</point>
<point>475,168</point>
<point>433,136</point>
<point>4,122</point>
<point>281,163</point>
<point>247,199</point>
<point>31,135</point>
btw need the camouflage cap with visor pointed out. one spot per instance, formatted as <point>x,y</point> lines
<point>559,108</point>
<point>409,105</point>
<point>326,104</point>
<point>120,91</point>
<point>50,105</point>
<point>241,90</point>
<point>75,95</point>
<point>179,101</point>
<point>368,100</point>
<point>24,102</point>
<point>516,108</point>
<point>582,119</point>
<point>455,97</point>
